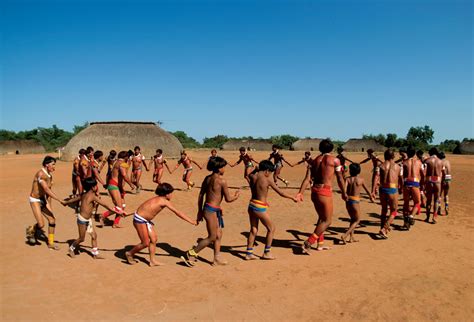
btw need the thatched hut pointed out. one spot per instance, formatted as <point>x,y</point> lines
<point>119,136</point>
<point>467,147</point>
<point>21,147</point>
<point>257,145</point>
<point>362,145</point>
<point>306,145</point>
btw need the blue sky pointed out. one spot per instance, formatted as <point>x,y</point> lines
<point>308,68</point>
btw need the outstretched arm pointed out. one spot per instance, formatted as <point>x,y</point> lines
<point>304,184</point>
<point>367,191</point>
<point>199,166</point>
<point>180,214</point>
<point>124,174</point>
<point>364,161</point>
<point>48,191</point>
<point>227,196</point>
<point>103,204</point>
<point>97,175</point>
<point>284,160</point>
<point>280,192</point>
<point>340,183</point>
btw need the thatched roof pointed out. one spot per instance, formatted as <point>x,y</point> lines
<point>22,146</point>
<point>362,145</point>
<point>257,145</point>
<point>306,145</point>
<point>122,135</point>
<point>467,147</point>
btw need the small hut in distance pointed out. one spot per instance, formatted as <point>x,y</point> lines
<point>21,147</point>
<point>253,145</point>
<point>124,135</point>
<point>362,145</point>
<point>306,145</point>
<point>467,147</point>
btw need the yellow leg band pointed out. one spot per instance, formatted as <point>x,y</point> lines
<point>192,252</point>
<point>51,239</point>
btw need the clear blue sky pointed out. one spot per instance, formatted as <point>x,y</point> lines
<point>308,68</point>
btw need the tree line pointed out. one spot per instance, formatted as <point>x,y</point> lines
<point>420,137</point>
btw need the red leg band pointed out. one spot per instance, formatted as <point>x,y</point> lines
<point>394,214</point>
<point>312,239</point>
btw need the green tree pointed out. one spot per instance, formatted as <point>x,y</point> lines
<point>6,135</point>
<point>419,136</point>
<point>448,145</point>
<point>379,138</point>
<point>215,142</point>
<point>285,140</point>
<point>391,140</point>
<point>78,128</point>
<point>187,141</point>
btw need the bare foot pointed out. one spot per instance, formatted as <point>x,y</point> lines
<point>153,264</point>
<point>219,262</point>
<point>130,259</point>
<point>116,226</point>
<point>71,253</point>
<point>250,257</point>
<point>101,221</point>
<point>353,240</point>
<point>343,240</point>
<point>320,248</point>
<point>306,248</point>
<point>98,256</point>
<point>268,256</point>
<point>54,247</point>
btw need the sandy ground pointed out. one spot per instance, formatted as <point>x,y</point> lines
<point>423,274</point>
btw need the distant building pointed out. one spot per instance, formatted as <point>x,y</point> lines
<point>362,145</point>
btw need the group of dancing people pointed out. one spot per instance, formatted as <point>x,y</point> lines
<point>421,181</point>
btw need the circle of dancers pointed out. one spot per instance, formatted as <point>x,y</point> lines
<point>420,181</point>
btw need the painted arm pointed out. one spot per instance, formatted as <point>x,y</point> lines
<point>199,166</point>
<point>364,161</point>
<point>202,193</point>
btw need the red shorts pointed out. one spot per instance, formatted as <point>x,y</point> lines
<point>321,190</point>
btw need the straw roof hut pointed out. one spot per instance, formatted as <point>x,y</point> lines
<point>362,145</point>
<point>21,147</point>
<point>120,136</point>
<point>467,147</point>
<point>257,145</point>
<point>306,145</point>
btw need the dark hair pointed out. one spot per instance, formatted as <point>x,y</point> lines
<point>411,151</point>
<point>242,149</point>
<point>266,165</point>
<point>370,151</point>
<point>441,155</point>
<point>130,153</point>
<point>326,146</point>
<point>122,154</point>
<point>89,149</point>
<point>112,153</point>
<point>48,159</point>
<point>82,151</point>
<point>89,183</point>
<point>419,153</point>
<point>340,149</point>
<point>402,150</point>
<point>160,151</point>
<point>389,154</point>
<point>433,151</point>
<point>98,154</point>
<point>137,147</point>
<point>354,169</point>
<point>213,150</point>
<point>216,163</point>
<point>307,153</point>
<point>164,189</point>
